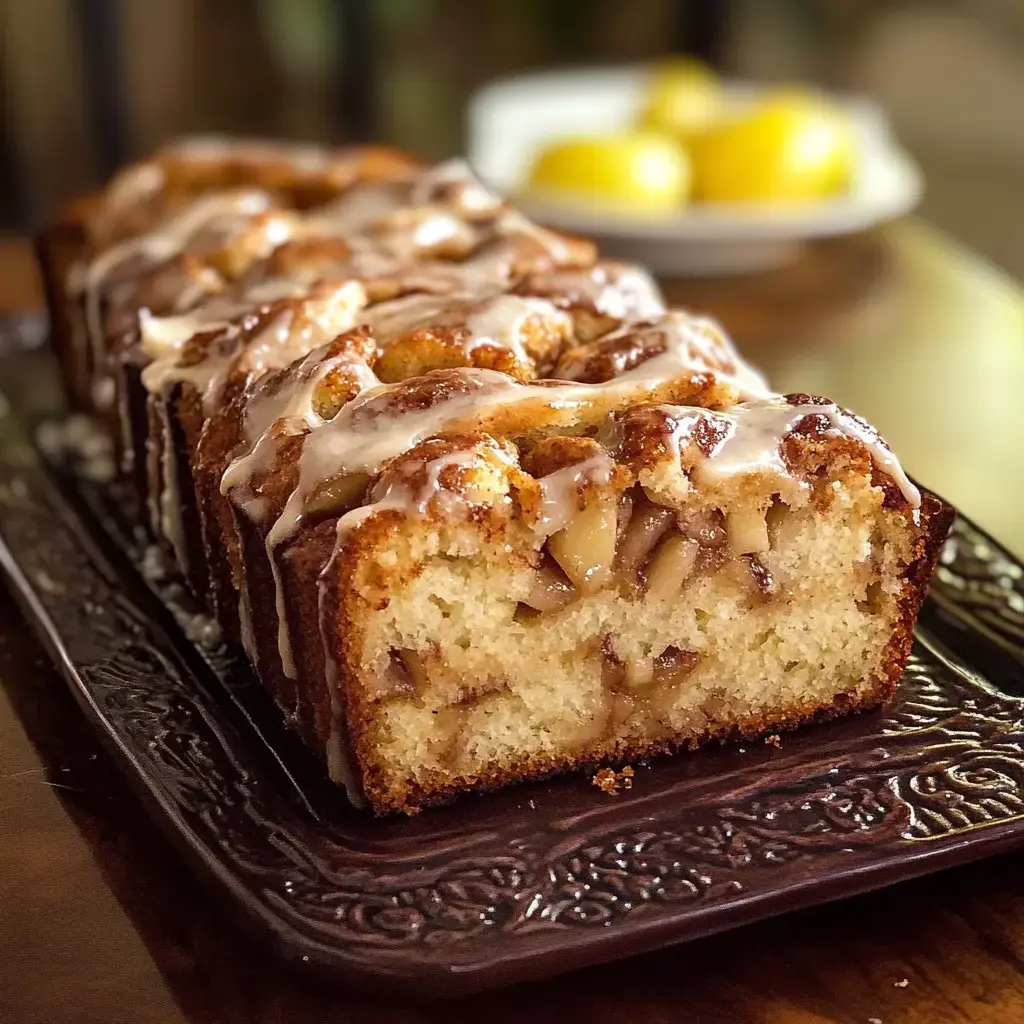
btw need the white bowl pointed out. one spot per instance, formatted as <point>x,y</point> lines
<point>511,119</point>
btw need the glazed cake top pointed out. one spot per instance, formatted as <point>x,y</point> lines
<point>480,321</point>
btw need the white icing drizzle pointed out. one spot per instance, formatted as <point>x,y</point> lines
<point>132,185</point>
<point>512,222</point>
<point>694,343</point>
<point>500,322</point>
<point>402,496</point>
<point>390,320</point>
<point>440,226</point>
<point>387,245</point>
<point>471,195</point>
<point>398,220</point>
<point>294,400</point>
<point>207,281</point>
<point>303,156</point>
<point>367,433</point>
<point>414,232</point>
<point>756,431</point>
<point>482,274</point>
<point>354,210</point>
<point>326,318</point>
<point>622,291</point>
<point>628,294</point>
<point>163,338</point>
<point>206,375</point>
<point>167,239</point>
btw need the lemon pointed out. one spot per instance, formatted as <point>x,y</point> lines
<point>792,146</point>
<point>683,98</point>
<point>639,171</point>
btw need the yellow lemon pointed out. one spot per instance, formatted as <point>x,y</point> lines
<point>631,171</point>
<point>683,98</point>
<point>793,146</point>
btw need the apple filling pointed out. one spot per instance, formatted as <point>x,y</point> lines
<point>650,552</point>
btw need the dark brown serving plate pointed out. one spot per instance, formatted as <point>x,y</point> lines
<point>536,879</point>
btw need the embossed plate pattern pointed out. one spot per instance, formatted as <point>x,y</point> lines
<point>540,878</point>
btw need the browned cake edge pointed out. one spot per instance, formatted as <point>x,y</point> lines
<point>59,247</point>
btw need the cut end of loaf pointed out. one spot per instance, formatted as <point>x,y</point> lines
<point>477,654</point>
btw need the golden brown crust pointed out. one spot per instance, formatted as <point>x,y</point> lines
<point>936,518</point>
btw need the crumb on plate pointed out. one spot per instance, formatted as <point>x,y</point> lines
<point>610,781</point>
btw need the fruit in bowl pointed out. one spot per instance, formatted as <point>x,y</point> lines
<point>692,141</point>
<point>683,98</point>
<point>635,171</point>
<point>792,146</point>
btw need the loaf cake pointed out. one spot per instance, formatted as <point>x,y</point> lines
<point>475,504</point>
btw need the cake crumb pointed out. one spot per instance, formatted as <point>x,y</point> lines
<point>609,781</point>
<point>902,983</point>
<point>874,1020</point>
<point>774,740</point>
<point>533,806</point>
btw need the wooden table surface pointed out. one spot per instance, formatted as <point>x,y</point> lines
<point>100,922</point>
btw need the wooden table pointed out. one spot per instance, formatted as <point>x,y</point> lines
<point>99,921</point>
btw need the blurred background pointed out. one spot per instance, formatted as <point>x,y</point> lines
<point>88,84</point>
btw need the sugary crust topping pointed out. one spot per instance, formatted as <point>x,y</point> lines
<point>516,335</point>
<point>696,342</point>
<point>228,340</point>
<point>442,478</point>
<point>648,436</point>
<point>441,232</point>
<point>619,291</point>
<point>781,438</point>
<point>144,192</point>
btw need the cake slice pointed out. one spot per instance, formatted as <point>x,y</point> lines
<point>198,364</point>
<point>502,610</point>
